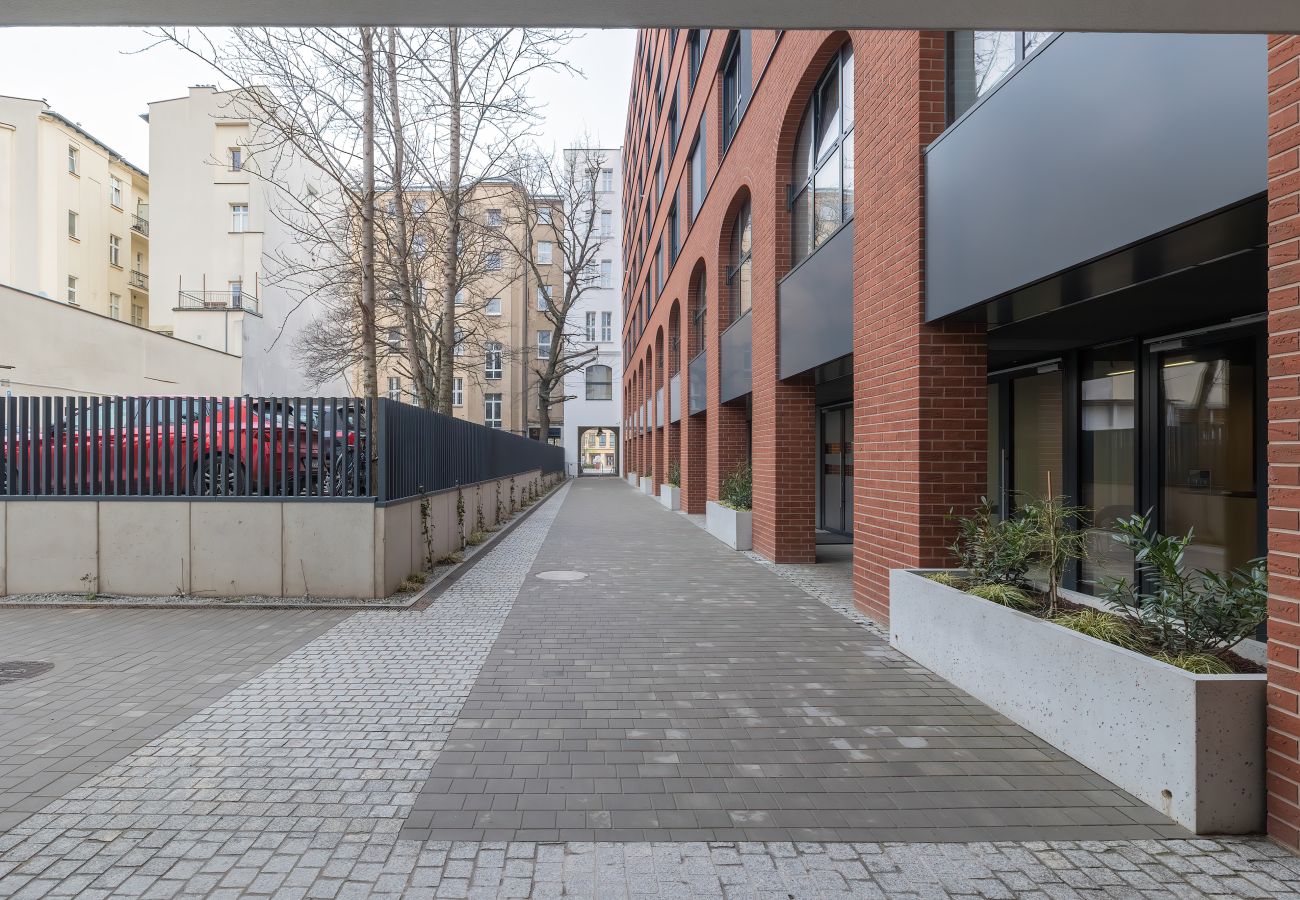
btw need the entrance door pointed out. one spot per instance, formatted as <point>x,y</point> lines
<point>836,470</point>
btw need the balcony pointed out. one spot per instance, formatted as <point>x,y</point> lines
<point>697,377</point>
<point>234,301</point>
<point>140,226</point>
<point>138,280</point>
<point>736,378</point>
<point>816,305</point>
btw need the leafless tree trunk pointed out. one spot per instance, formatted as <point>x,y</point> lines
<point>370,369</point>
<point>453,213</point>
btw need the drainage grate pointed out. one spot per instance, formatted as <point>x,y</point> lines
<point>17,670</point>
<point>562,575</point>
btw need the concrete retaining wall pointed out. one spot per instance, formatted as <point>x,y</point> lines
<point>220,548</point>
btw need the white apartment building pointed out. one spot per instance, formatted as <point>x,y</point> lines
<point>593,418</point>
<point>217,234</point>
<point>74,215</point>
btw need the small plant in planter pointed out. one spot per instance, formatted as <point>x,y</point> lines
<point>737,490</point>
<point>1058,538</point>
<point>675,474</point>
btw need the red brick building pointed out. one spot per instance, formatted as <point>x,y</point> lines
<point>898,271</point>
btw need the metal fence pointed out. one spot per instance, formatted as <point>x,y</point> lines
<point>313,447</point>
<point>423,451</point>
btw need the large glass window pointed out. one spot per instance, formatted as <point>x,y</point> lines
<point>823,159</point>
<point>1107,449</point>
<point>699,313</point>
<point>1037,439</point>
<point>980,60</point>
<point>492,410</point>
<point>699,173</point>
<point>492,361</point>
<point>735,85</point>
<point>600,383</point>
<point>740,264</point>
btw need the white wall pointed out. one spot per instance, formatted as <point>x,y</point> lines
<point>581,413</point>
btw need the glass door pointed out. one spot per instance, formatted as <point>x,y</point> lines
<point>1107,457</point>
<point>836,470</point>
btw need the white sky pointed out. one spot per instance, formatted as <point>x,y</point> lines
<point>90,76</point>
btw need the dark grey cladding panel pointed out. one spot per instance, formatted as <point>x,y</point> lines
<point>816,307</point>
<point>1100,141</point>
<point>675,398</point>
<point>698,384</point>
<point>737,378</point>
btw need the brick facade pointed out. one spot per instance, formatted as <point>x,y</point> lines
<point>1283,743</point>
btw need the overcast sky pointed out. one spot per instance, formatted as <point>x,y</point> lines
<point>90,76</point>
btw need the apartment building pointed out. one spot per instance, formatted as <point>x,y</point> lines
<point>500,332</point>
<point>221,226</point>
<point>593,406</point>
<point>74,215</point>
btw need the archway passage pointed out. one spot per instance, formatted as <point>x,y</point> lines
<point>598,450</point>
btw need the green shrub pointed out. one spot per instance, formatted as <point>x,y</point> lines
<point>450,559</point>
<point>991,549</point>
<point>1004,595</point>
<point>738,488</point>
<point>675,474</point>
<point>949,579</point>
<point>1058,538</point>
<point>1187,612</point>
<point>476,538</point>
<point>1196,663</point>
<point>1102,626</point>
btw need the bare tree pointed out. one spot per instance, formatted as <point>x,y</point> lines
<point>560,200</point>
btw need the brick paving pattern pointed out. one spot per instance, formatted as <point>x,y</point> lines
<point>298,782</point>
<point>683,693</point>
<point>120,679</point>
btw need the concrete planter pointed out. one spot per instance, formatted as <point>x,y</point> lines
<point>633,479</point>
<point>731,526</point>
<point>1191,746</point>
<point>647,485</point>
<point>670,497</point>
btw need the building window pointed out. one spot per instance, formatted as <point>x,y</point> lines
<point>494,218</point>
<point>674,234</point>
<point>606,273</point>
<point>607,181</point>
<point>460,298</point>
<point>239,217</point>
<point>493,261</point>
<point>607,326</point>
<point>980,60</point>
<point>544,295</point>
<point>458,391</point>
<point>699,313</point>
<point>492,410</point>
<point>72,224</point>
<point>591,327</point>
<point>74,160</point>
<point>236,159</point>
<point>115,191</point>
<point>606,223</point>
<point>696,41</point>
<point>672,127</point>
<point>115,251</point>
<point>492,361</point>
<point>394,388</point>
<point>115,306</point>
<point>494,306</point>
<point>458,342</point>
<point>137,314</point>
<point>699,173</point>
<point>545,215</point>
<point>544,252</point>
<point>600,383</point>
<point>543,345</point>
<point>395,338</point>
<point>736,85</point>
<point>823,159</point>
<point>236,293</point>
<point>72,289</point>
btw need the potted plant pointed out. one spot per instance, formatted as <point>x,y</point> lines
<point>670,492</point>
<point>729,518</point>
<point>1140,685</point>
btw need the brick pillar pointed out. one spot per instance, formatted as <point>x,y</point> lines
<point>920,391</point>
<point>659,467</point>
<point>1283,741</point>
<point>693,458</point>
<point>673,454</point>
<point>728,444</point>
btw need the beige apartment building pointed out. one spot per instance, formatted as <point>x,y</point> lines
<point>500,329</point>
<point>74,215</point>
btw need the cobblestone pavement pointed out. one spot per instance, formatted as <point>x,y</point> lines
<point>297,784</point>
<point>119,680</point>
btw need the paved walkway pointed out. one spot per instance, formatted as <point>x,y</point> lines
<point>681,690</point>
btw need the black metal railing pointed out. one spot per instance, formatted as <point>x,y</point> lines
<point>139,280</point>
<point>241,447</point>
<point>241,300</point>
<point>424,451</point>
<point>140,225</point>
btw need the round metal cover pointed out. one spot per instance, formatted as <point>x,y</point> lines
<point>562,575</point>
<point>17,670</point>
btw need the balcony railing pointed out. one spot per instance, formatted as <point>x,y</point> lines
<point>229,300</point>
<point>139,280</point>
<point>140,226</point>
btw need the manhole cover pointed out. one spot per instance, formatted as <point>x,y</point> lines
<point>17,671</point>
<point>562,575</point>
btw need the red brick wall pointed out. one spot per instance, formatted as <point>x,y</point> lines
<point>1283,746</point>
<point>919,391</point>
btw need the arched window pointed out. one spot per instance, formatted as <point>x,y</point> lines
<point>600,383</point>
<point>739,264</point>
<point>823,159</point>
<point>699,312</point>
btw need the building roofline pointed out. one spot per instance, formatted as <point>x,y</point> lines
<point>59,117</point>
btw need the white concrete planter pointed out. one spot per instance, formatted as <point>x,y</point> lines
<point>731,526</point>
<point>670,497</point>
<point>633,479</point>
<point>1191,746</point>
<point>647,485</point>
